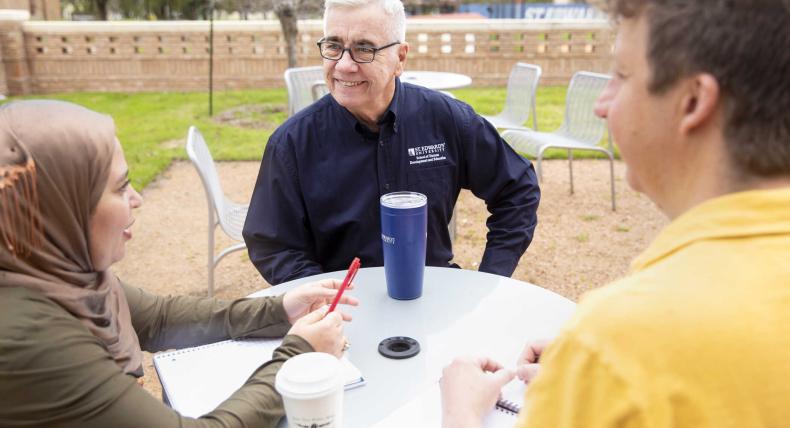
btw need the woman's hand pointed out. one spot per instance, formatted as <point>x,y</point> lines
<point>324,333</point>
<point>308,297</point>
<point>528,363</point>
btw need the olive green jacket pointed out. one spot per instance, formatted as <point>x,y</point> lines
<point>55,373</point>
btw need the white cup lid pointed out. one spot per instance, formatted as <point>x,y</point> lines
<point>308,375</point>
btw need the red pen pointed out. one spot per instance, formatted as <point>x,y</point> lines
<point>352,272</point>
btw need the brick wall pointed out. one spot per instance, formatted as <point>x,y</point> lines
<point>15,4</point>
<point>43,57</point>
<point>16,74</point>
<point>39,9</point>
<point>486,50</point>
<point>3,85</point>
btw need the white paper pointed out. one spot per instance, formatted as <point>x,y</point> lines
<point>196,380</point>
<point>425,409</point>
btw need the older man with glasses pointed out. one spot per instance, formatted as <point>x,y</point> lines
<point>316,201</point>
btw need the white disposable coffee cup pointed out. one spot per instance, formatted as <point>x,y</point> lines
<point>311,385</point>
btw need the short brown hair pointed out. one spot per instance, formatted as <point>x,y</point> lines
<point>745,45</point>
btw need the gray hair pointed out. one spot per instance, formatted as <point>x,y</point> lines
<point>393,9</point>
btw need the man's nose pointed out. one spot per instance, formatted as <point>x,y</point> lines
<point>345,63</point>
<point>602,104</point>
<point>136,199</point>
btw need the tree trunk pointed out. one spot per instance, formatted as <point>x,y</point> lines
<point>101,9</point>
<point>288,22</point>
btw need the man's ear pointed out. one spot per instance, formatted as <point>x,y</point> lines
<point>699,103</point>
<point>403,50</point>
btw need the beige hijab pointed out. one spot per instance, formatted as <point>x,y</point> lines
<point>54,163</point>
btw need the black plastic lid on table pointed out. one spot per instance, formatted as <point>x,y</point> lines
<point>399,347</point>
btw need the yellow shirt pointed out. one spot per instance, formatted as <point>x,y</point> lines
<point>698,335</point>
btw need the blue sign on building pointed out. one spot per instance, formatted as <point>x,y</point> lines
<point>533,10</point>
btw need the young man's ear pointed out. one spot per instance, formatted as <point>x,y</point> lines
<point>699,103</point>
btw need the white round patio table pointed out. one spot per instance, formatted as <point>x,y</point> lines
<point>438,80</point>
<point>461,312</point>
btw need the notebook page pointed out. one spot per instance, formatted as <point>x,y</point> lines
<point>196,380</point>
<point>425,409</point>
<point>513,392</point>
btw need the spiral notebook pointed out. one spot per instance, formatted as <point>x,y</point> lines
<point>196,380</point>
<point>425,409</point>
<point>508,406</point>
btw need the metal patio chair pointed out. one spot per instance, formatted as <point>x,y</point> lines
<point>222,211</point>
<point>580,128</point>
<point>299,82</point>
<point>318,89</point>
<point>520,99</point>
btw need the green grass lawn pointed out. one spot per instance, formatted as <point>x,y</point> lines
<point>152,126</point>
<point>550,103</point>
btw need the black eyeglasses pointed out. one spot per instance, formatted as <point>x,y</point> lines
<point>360,54</point>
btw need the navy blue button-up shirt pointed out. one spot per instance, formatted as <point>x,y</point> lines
<point>316,202</point>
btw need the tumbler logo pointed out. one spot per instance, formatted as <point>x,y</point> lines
<point>388,239</point>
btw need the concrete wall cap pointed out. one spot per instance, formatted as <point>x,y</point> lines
<point>147,26</point>
<point>505,24</point>
<point>412,25</point>
<point>14,15</point>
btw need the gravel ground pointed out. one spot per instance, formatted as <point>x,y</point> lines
<point>580,244</point>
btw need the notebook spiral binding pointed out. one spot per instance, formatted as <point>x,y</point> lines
<point>508,407</point>
<point>171,354</point>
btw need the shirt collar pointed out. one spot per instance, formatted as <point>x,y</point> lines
<point>392,110</point>
<point>736,215</point>
<point>346,116</point>
<point>390,115</point>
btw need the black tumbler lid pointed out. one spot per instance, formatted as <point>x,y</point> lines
<point>399,347</point>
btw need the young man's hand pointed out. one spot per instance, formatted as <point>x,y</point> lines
<point>528,363</point>
<point>470,388</point>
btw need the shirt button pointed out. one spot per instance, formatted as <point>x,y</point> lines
<point>381,143</point>
<point>386,186</point>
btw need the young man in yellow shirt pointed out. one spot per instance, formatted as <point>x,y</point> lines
<point>697,334</point>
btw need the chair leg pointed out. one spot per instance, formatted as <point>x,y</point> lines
<point>540,168</point>
<point>610,153</point>
<point>210,257</point>
<point>611,179</point>
<point>453,228</point>
<point>570,167</point>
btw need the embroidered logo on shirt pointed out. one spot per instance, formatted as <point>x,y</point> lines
<point>426,154</point>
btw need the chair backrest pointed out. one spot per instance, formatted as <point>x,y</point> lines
<point>521,86</point>
<point>299,83</point>
<point>580,122</point>
<point>318,89</point>
<point>198,153</point>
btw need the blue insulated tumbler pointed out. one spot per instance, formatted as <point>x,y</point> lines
<point>404,227</point>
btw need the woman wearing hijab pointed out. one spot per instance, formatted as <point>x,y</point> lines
<point>70,332</point>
